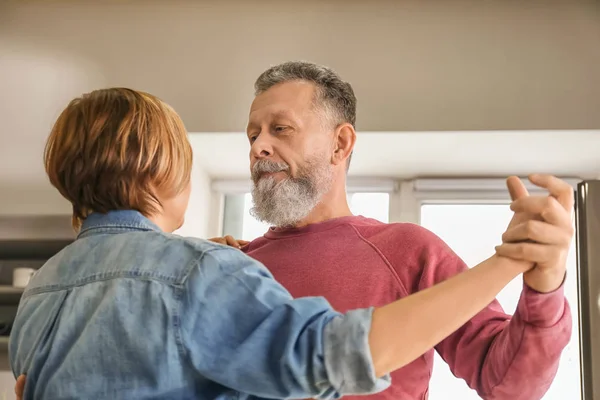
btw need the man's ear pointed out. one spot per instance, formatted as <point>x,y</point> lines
<point>343,146</point>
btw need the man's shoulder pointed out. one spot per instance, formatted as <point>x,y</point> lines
<point>255,245</point>
<point>395,233</point>
<point>404,242</point>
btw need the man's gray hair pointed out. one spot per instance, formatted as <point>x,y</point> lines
<point>333,94</point>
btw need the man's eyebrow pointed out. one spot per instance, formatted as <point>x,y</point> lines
<point>251,125</point>
<point>282,114</point>
<point>274,115</point>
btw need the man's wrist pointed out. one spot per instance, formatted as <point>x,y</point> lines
<point>542,310</point>
<point>544,281</point>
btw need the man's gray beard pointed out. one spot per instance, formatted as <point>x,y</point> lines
<point>285,203</point>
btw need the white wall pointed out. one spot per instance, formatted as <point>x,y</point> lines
<point>203,217</point>
<point>410,155</point>
<point>32,200</point>
<point>7,381</point>
<point>197,217</point>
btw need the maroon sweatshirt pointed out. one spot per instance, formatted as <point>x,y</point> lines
<point>356,262</point>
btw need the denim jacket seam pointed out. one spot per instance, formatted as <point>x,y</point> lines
<point>177,308</point>
<point>168,280</point>
<point>108,227</point>
<point>178,312</point>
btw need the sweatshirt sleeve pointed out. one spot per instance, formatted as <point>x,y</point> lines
<point>497,355</point>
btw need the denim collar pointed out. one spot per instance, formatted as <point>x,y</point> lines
<point>115,221</point>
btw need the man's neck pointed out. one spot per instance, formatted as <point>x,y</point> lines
<point>316,217</point>
<point>331,206</point>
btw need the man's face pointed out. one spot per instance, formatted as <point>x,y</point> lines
<point>290,156</point>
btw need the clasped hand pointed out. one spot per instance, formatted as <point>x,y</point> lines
<point>540,231</point>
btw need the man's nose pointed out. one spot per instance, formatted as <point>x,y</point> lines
<point>261,148</point>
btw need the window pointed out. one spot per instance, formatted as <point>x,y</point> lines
<point>461,227</point>
<point>238,222</point>
<point>371,205</point>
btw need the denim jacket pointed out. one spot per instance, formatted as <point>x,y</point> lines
<point>130,312</point>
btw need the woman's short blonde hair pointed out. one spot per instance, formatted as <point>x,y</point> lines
<point>116,149</point>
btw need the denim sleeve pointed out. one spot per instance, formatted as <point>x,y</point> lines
<point>243,330</point>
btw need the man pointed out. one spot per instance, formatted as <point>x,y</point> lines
<point>301,130</point>
<point>302,133</point>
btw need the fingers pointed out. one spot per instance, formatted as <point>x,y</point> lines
<point>532,252</point>
<point>20,387</point>
<point>233,242</point>
<point>539,232</point>
<point>219,240</point>
<point>547,207</point>
<point>516,188</point>
<point>229,241</point>
<point>558,188</point>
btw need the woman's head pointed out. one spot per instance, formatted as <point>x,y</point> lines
<point>121,149</point>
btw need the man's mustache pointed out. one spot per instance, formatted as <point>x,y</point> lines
<point>267,166</point>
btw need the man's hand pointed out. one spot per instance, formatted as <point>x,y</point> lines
<point>541,231</point>
<point>230,241</point>
<point>20,387</point>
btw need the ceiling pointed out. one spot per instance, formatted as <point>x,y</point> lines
<point>437,65</point>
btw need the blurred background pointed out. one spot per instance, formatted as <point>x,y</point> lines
<point>453,96</point>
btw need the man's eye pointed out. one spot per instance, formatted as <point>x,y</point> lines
<point>252,139</point>
<point>280,128</point>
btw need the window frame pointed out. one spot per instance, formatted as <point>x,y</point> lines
<point>406,202</point>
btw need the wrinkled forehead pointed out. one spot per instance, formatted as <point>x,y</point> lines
<point>290,100</point>
<point>274,115</point>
